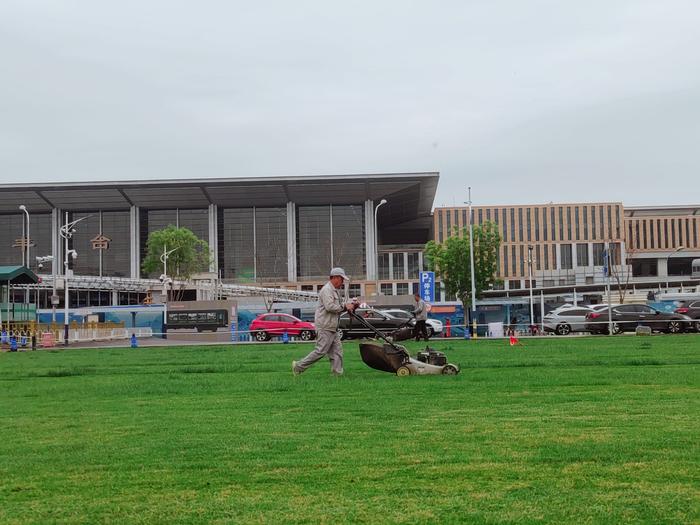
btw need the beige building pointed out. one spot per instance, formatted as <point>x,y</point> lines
<point>567,240</point>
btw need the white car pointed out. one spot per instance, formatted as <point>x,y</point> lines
<point>566,319</point>
<point>433,325</point>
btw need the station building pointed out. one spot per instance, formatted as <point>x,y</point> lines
<point>284,232</point>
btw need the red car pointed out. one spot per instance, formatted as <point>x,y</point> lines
<point>265,326</point>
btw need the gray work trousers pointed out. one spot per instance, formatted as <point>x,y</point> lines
<point>327,343</point>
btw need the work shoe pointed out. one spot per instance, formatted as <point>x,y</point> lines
<point>294,368</point>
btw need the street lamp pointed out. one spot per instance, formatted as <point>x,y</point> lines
<point>66,231</point>
<point>471,262</point>
<point>529,273</point>
<point>25,248</point>
<point>376,245</point>
<point>165,280</point>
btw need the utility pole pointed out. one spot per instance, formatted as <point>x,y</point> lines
<point>471,261</point>
<point>529,273</point>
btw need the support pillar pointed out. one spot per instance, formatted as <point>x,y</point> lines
<point>370,242</point>
<point>291,242</point>
<point>213,239</point>
<point>135,247</point>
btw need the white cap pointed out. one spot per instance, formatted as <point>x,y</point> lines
<point>340,272</point>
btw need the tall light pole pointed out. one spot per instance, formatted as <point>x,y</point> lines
<point>165,280</point>
<point>376,246</point>
<point>471,262</point>
<point>66,231</point>
<point>529,273</point>
<point>25,248</point>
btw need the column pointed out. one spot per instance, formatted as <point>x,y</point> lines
<point>370,242</point>
<point>213,239</point>
<point>134,220</point>
<point>56,245</point>
<point>291,242</point>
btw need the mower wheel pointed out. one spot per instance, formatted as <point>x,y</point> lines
<point>403,371</point>
<point>261,336</point>
<point>449,370</point>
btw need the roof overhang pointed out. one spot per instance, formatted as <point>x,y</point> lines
<point>409,195</point>
<point>17,275</point>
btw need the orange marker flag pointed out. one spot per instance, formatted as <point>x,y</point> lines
<point>514,341</point>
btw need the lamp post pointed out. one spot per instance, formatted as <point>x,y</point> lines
<point>25,248</point>
<point>471,262</point>
<point>40,262</point>
<point>165,280</point>
<point>529,273</point>
<point>66,231</point>
<point>376,245</point>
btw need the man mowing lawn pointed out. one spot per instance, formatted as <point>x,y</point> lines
<point>330,306</point>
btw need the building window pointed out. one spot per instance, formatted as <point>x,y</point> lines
<point>545,251</point>
<point>652,239</point>
<point>537,224</point>
<point>397,260</point>
<point>449,223</point>
<point>464,218</point>
<point>566,262</point>
<point>307,287</point>
<point>544,224</point>
<point>413,265</point>
<point>602,223</point>
<point>561,223</point>
<point>355,290</point>
<point>644,234</point>
<point>537,257</point>
<point>589,279</point>
<point>636,235</point>
<point>582,254</point>
<point>514,284</point>
<point>488,214</point>
<point>568,222</point>
<point>610,221</point>
<point>440,235</point>
<point>401,288</point>
<point>529,224</point>
<point>505,261</point>
<point>384,265</point>
<point>548,283</point>
<point>617,221</point>
<point>505,225</point>
<point>520,224</point>
<point>593,229</point>
<point>522,260</point>
<point>481,216</point>
<point>512,224</point>
<point>576,223</point>
<point>673,233</point>
<point>552,224</point>
<point>386,289</point>
<point>598,254</point>
<point>644,268</point>
<point>585,223</point>
<point>513,261</point>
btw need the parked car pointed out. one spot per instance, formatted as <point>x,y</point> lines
<point>434,326</point>
<point>692,310</point>
<point>266,326</point>
<point>626,318</point>
<point>350,328</point>
<point>566,319</point>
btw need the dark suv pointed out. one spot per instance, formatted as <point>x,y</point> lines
<point>626,318</point>
<point>692,310</point>
<point>352,328</point>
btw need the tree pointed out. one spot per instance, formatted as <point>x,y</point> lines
<point>191,254</point>
<point>621,273</point>
<point>451,262</point>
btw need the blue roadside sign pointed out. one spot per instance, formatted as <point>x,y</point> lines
<point>605,263</point>
<point>427,286</point>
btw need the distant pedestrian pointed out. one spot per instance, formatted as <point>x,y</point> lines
<point>421,313</point>
<point>330,306</point>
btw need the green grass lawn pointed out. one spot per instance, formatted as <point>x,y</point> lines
<point>582,430</point>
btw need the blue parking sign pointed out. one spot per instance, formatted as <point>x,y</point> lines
<point>427,286</point>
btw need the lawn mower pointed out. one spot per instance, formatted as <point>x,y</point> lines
<point>395,359</point>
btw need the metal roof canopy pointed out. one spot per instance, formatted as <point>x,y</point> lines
<point>17,275</point>
<point>410,195</point>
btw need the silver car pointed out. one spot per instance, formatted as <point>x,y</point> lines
<point>565,320</point>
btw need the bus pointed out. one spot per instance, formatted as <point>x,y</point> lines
<point>199,320</point>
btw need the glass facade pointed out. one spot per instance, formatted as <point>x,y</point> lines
<point>112,227</point>
<point>236,244</point>
<point>398,266</point>
<point>39,233</point>
<point>349,240</point>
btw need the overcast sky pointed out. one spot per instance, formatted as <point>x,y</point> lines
<point>526,101</point>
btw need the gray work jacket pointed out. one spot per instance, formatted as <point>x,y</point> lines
<point>330,306</point>
<point>421,310</point>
